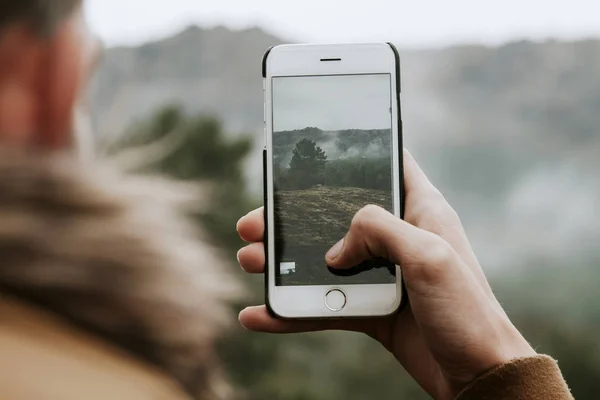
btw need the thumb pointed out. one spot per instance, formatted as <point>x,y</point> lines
<point>375,233</point>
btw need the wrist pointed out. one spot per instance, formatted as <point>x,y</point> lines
<point>509,345</point>
<point>513,346</point>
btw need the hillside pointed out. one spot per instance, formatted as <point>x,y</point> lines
<point>216,71</point>
<point>521,91</point>
<point>312,221</point>
<point>510,134</point>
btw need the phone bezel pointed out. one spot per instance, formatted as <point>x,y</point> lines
<point>297,302</point>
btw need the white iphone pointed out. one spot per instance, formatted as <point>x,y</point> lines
<point>333,144</point>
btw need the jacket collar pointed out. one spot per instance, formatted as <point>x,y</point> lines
<point>45,358</point>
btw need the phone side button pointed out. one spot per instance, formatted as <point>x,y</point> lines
<point>335,300</point>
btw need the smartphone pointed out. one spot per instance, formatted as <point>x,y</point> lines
<point>333,144</point>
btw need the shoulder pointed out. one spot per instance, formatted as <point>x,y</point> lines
<point>44,357</point>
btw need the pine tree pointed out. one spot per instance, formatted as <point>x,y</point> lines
<point>195,149</point>
<point>307,166</point>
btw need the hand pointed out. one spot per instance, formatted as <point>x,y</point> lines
<point>454,330</point>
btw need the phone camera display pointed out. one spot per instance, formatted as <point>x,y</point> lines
<point>332,155</point>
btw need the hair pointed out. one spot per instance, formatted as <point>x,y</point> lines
<point>43,15</point>
<point>117,255</point>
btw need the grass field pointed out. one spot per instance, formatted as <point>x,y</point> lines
<point>313,220</point>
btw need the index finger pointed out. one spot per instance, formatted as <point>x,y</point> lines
<point>258,319</point>
<point>251,227</point>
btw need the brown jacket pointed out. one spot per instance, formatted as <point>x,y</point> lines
<point>107,293</point>
<point>534,378</point>
<point>43,358</point>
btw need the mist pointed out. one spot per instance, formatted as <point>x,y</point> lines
<point>371,144</point>
<point>524,190</point>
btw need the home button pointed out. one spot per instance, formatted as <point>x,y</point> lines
<point>335,300</point>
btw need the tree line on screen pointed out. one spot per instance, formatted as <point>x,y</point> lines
<point>310,167</point>
<point>344,139</point>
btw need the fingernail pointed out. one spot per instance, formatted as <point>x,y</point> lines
<point>238,256</point>
<point>240,320</point>
<point>335,250</point>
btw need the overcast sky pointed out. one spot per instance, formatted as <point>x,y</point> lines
<point>332,103</point>
<point>414,23</point>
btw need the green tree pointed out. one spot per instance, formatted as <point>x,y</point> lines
<point>194,148</point>
<point>307,165</point>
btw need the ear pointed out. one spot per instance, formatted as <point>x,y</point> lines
<point>60,83</point>
<point>40,79</point>
<point>20,57</point>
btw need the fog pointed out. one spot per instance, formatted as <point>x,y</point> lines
<point>547,204</point>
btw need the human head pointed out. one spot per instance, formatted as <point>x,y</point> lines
<point>47,55</point>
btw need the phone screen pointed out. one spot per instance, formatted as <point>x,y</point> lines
<point>332,155</point>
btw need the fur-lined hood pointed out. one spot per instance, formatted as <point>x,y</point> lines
<point>116,257</point>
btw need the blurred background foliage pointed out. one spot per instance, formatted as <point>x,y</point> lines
<point>557,311</point>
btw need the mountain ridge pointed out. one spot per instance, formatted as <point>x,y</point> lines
<point>508,133</point>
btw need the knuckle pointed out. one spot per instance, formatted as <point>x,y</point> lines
<point>435,260</point>
<point>439,253</point>
<point>365,217</point>
<point>435,212</point>
<point>436,203</point>
<point>372,210</point>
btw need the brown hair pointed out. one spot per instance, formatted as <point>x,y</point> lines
<point>117,256</point>
<point>43,15</point>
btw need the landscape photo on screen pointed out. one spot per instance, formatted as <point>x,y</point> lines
<point>332,155</point>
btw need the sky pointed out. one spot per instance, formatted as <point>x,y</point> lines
<point>409,24</point>
<point>332,103</point>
